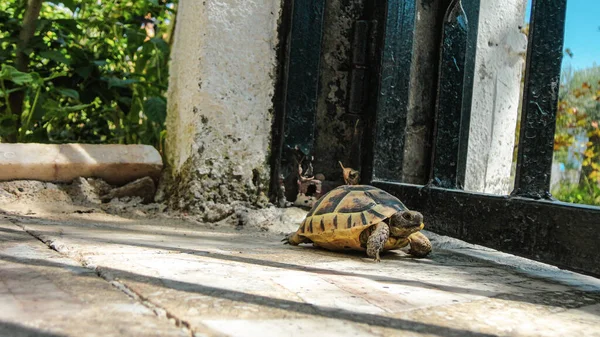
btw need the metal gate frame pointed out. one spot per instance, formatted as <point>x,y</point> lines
<point>527,223</point>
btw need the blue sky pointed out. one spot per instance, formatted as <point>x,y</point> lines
<point>582,33</point>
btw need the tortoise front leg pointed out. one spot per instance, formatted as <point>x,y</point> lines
<point>377,240</point>
<point>420,245</point>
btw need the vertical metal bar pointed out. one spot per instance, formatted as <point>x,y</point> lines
<point>358,73</point>
<point>375,12</point>
<point>392,90</point>
<point>302,81</point>
<point>283,34</point>
<point>457,60</point>
<point>540,97</point>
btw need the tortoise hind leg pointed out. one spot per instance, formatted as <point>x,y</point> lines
<point>420,246</point>
<point>294,239</point>
<point>377,240</point>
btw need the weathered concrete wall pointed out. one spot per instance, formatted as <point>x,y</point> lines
<point>496,96</point>
<point>220,104</point>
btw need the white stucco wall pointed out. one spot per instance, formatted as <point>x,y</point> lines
<point>220,102</point>
<point>496,95</point>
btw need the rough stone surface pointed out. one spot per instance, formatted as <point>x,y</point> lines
<point>100,186</point>
<point>220,101</point>
<point>496,96</point>
<point>81,196</point>
<point>83,192</point>
<point>282,220</point>
<point>143,188</point>
<point>116,164</point>
<point>222,281</point>
<point>32,191</point>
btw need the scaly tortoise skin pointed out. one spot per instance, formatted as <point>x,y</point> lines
<point>362,217</point>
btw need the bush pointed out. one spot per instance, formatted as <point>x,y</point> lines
<point>92,71</point>
<point>577,193</point>
<point>577,138</point>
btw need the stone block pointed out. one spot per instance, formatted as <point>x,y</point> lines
<point>143,188</point>
<point>116,164</point>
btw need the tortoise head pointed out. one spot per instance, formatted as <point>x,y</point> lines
<point>404,223</point>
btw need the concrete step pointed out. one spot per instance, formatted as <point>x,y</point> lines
<point>114,163</point>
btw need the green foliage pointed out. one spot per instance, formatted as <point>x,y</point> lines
<point>579,114</point>
<point>577,193</point>
<point>97,71</point>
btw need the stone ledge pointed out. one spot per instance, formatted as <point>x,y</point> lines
<point>116,164</point>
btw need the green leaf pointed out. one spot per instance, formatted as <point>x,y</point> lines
<point>36,79</point>
<point>160,44</point>
<point>54,75</point>
<point>155,108</point>
<point>135,38</point>
<point>39,110</point>
<point>119,83</point>
<point>10,91</point>
<point>69,93</point>
<point>8,125</point>
<point>53,108</point>
<point>70,4</point>
<point>74,108</point>
<point>142,61</point>
<point>42,24</point>
<point>84,71</point>
<point>125,100</point>
<point>12,74</point>
<point>56,56</point>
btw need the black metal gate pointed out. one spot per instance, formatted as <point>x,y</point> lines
<point>529,222</point>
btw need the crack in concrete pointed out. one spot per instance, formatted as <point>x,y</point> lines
<point>159,311</point>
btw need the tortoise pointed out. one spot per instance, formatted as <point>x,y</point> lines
<point>364,218</point>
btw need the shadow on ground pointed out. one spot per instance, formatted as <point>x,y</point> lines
<point>18,330</point>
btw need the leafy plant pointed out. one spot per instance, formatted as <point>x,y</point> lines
<point>578,115</point>
<point>578,194</point>
<point>92,71</point>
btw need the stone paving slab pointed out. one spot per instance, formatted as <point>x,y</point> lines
<point>223,282</point>
<point>43,293</point>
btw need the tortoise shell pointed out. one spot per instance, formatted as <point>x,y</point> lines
<point>340,216</point>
